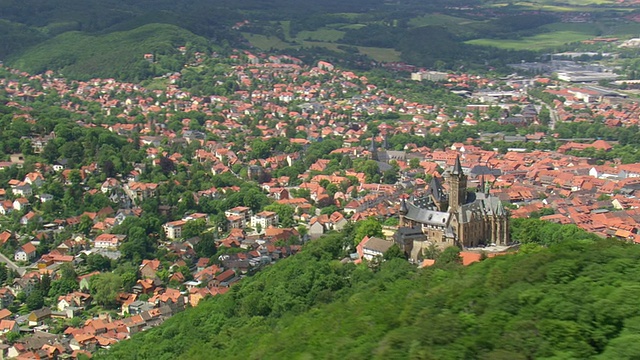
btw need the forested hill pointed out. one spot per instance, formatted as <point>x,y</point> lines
<point>573,300</point>
<point>118,54</point>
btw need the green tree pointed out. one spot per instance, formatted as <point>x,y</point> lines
<point>97,262</point>
<point>285,213</point>
<point>450,255</point>
<point>370,227</point>
<point>104,289</point>
<point>194,228</point>
<point>35,300</point>
<point>393,252</point>
<point>206,247</point>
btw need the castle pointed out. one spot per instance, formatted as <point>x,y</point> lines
<point>460,217</point>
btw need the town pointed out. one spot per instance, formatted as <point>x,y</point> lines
<point>122,204</point>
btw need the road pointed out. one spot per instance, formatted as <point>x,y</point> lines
<point>553,114</point>
<point>12,265</point>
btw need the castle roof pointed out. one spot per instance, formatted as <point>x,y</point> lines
<point>426,216</point>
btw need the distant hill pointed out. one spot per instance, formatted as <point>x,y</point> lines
<point>17,37</point>
<point>475,35</point>
<point>573,300</point>
<point>117,54</point>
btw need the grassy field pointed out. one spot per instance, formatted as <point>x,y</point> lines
<point>286,28</point>
<point>537,42</point>
<point>156,84</point>
<point>321,35</point>
<point>266,42</point>
<point>439,19</point>
<point>324,37</point>
<point>380,54</point>
<point>579,5</point>
<point>351,26</point>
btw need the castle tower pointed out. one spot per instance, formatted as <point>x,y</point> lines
<point>457,187</point>
<point>403,211</point>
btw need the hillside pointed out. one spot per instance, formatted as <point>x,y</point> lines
<point>445,35</point>
<point>575,299</point>
<point>120,54</point>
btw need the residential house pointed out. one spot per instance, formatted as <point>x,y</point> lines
<point>242,211</point>
<point>5,314</point>
<point>264,219</point>
<point>371,247</point>
<point>25,253</point>
<point>21,188</point>
<point>173,229</point>
<point>139,307</point>
<point>34,179</point>
<point>20,203</point>
<point>5,236</point>
<point>25,284</point>
<point>110,185</point>
<point>6,207</point>
<point>149,268</point>
<point>9,326</point>
<point>30,218</point>
<point>140,191</point>
<point>74,299</point>
<point>108,241</point>
<point>144,286</point>
<point>37,317</point>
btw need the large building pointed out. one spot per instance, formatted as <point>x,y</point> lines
<point>453,217</point>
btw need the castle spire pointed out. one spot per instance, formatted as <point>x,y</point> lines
<point>373,149</point>
<point>457,168</point>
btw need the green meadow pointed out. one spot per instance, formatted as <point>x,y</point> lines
<point>537,42</point>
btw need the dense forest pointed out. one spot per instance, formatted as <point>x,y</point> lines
<point>574,298</point>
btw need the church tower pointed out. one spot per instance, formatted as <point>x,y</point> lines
<point>373,149</point>
<point>457,187</point>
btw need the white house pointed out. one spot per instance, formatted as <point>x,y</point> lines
<point>173,229</point>
<point>108,241</point>
<point>264,219</point>
<point>25,253</point>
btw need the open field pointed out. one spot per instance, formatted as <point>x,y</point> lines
<point>266,42</point>
<point>583,6</point>
<point>439,19</point>
<point>321,35</point>
<point>271,42</point>
<point>380,54</point>
<point>537,42</point>
<point>351,26</point>
<point>569,6</point>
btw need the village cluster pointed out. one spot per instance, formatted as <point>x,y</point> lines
<point>469,186</point>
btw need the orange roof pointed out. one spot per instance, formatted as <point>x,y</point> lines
<point>469,257</point>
